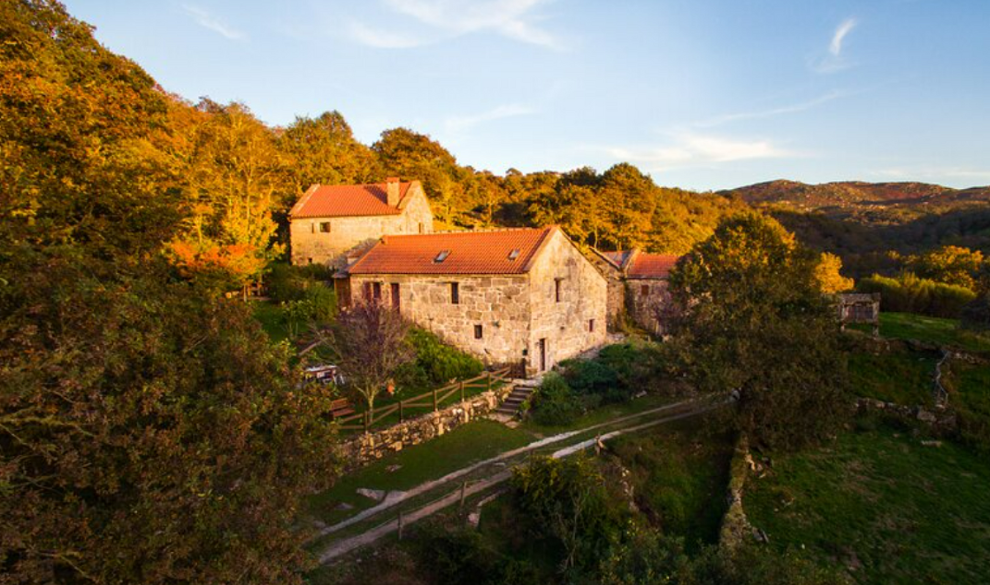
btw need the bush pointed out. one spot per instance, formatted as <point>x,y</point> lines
<point>908,293</point>
<point>286,283</point>
<point>436,363</point>
<point>617,373</point>
<point>976,315</point>
<point>554,403</point>
<point>462,557</point>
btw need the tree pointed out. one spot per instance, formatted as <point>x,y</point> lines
<point>951,265</point>
<point>753,320</point>
<point>828,276</point>
<point>370,344</point>
<point>415,156</point>
<point>323,150</point>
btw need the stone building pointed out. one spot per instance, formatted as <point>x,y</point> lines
<point>859,308</point>
<point>331,220</point>
<point>637,285</point>
<point>519,297</point>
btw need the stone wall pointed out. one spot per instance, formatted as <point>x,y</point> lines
<point>615,302</point>
<point>499,304</point>
<point>574,321</point>
<point>311,246</point>
<point>735,525</point>
<point>644,301</point>
<point>375,445</point>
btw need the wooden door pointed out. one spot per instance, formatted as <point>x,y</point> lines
<point>541,347</point>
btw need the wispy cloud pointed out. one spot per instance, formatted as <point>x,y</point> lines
<point>514,19</point>
<point>208,21</point>
<point>944,174</point>
<point>788,109</point>
<point>834,60</point>
<point>691,150</point>
<point>457,124</point>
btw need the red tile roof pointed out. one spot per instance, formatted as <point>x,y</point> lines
<point>651,265</point>
<point>473,252</point>
<point>347,200</point>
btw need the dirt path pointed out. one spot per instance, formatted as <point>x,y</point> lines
<point>343,546</point>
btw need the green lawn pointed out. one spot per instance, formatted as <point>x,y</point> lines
<point>904,377</point>
<point>932,330</point>
<point>884,505</point>
<point>459,448</point>
<point>969,395</point>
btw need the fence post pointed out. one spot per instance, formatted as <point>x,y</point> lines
<point>400,410</point>
<point>400,524</point>
<point>435,408</point>
<point>366,421</point>
<point>462,390</point>
<point>463,493</point>
<point>489,381</point>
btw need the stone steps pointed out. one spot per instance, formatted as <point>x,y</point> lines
<point>520,393</point>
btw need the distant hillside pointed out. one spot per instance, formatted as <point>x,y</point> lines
<point>871,225</point>
<point>857,194</point>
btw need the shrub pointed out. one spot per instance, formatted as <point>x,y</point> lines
<point>462,557</point>
<point>646,556</point>
<point>436,363</point>
<point>554,403</point>
<point>908,293</point>
<point>618,372</point>
<point>976,315</point>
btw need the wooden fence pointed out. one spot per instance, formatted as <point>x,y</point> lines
<point>429,400</point>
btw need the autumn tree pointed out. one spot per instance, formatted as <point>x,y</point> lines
<point>323,150</point>
<point>754,321</point>
<point>149,432</point>
<point>236,181</point>
<point>631,198</point>
<point>830,280</point>
<point>951,265</point>
<point>370,343</point>
<point>414,156</point>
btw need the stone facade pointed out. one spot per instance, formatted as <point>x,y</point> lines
<point>536,319</point>
<point>615,301</point>
<point>311,244</point>
<point>374,445</point>
<point>645,300</point>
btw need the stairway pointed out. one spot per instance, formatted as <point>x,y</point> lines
<point>520,393</point>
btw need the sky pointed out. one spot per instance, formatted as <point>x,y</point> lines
<point>700,94</point>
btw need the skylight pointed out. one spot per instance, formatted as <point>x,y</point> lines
<point>441,256</point>
<point>514,254</point>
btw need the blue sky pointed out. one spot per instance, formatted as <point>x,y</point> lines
<point>701,94</point>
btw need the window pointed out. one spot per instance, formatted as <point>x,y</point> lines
<point>420,227</point>
<point>367,291</point>
<point>324,227</point>
<point>441,256</point>
<point>556,289</point>
<point>377,290</point>
<point>395,296</point>
<point>478,332</point>
<point>591,325</point>
<point>455,293</point>
<point>309,260</point>
<point>513,254</point>
<point>645,290</point>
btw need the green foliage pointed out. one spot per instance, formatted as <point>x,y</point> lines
<point>969,396</point>
<point>436,363</point>
<point>908,293</point>
<point>568,499</point>
<point>950,265</point>
<point>644,556</point>
<point>976,315</point>
<point>462,557</point>
<point>555,404</point>
<point>617,373</point>
<point>752,565</point>
<point>752,319</point>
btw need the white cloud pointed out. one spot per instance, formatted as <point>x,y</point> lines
<point>935,173</point>
<point>834,60</point>
<point>381,39</point>
<point>208,21</point>
<point>457,124</point>
<point>451,18</point>
<point>840,35</point>
<point>790,109</point>
<point>690,150</point>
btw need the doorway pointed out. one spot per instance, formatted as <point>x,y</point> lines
<point>541,349</point>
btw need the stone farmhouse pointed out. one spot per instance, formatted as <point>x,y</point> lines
<point>637,285</point>
<point>520,297</point>
<point>329,221</point>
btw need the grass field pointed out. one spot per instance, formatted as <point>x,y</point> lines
<point>272,321</point>
<point>881,503</point>
<point>969,395</point>
<point>930,329</point>
<point>905,377</point>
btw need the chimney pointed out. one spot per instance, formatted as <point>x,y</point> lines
<point>392,191</point>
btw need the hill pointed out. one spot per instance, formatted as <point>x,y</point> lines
<point>857,194</point>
